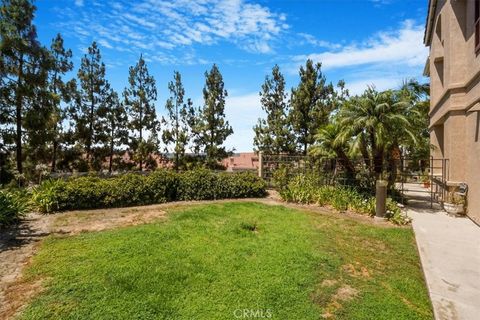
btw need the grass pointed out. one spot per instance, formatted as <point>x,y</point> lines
<point>205,262</point>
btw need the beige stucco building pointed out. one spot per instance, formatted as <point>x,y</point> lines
<point>453,35</point>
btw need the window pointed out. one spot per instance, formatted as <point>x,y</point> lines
<point>477,26</point>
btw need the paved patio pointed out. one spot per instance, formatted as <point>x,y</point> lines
<point>450,253</point>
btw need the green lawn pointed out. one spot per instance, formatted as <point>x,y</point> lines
<point>206,262</point>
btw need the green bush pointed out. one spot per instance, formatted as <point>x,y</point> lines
<point>203,184</point>
<point>13,204</point>
<point>50,196</point>
<point>307,189</point>
<point>134,189</point>
<point>162,186</point>
<point>199,184</point>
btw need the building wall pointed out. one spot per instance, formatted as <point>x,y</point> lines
<point>241,161</point>
<point>455,95</point>
<point>472,167</point>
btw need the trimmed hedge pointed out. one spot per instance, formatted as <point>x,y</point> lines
<point>134,189</point>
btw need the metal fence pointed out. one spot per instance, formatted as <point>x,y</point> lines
<point>417,179</point>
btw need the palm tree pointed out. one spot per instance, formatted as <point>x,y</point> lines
<point>419,97</point>
<point>375,121</point>
<point>329,144</point>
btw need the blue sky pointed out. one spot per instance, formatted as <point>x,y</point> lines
<point>363,42</point>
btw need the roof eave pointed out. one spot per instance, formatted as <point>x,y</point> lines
<point>432,4</point>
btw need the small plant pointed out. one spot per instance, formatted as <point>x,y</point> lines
<point>455,203</point>
<point>308,189</point>
<point>49,196</point>
<point>426,180</point>
<point>13,205</point>
<point>249,226</point>
<point>455,198</point>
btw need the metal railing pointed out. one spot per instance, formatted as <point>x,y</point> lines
<point>421,179</point>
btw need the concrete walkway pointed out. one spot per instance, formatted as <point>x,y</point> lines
<point>450,253</point>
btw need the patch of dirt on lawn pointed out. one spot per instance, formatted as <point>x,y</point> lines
<point>17,245</point>
<point>345,293</point>
<point>97,220</point>
<point>356,270</point>
<point>342,294</point>
<point>329,282</point>
<point>18,295</point>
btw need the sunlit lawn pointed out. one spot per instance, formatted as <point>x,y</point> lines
<point>209,261</point>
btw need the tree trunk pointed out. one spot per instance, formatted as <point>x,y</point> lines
<point>176,137</point>
<point>141,136</point>
<point>364,152</point>
<point>111,157</point>
<point>19,105</point>
<point>92,108</point>
<point>378,163</point>
<point>54,155</point>
<point>348,165</point>
<point>90,132</point>
<point>18,138</point>
<point>55,127</point>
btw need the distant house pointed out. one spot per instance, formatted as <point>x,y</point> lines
<point>453,36</point>
<point>241,162</point>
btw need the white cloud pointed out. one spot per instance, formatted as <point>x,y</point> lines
<point>105,43</point>
<point>306,38</point>
<point>404,46</point>
<point>159,25</point>
<point>383,60</point>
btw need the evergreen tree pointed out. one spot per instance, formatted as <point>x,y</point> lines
<point>311,104</point>
<point>24,64</point>
<point>193,120</point>
<point>86,112</point>
<point>177,132</point>
<point>140,99</point>
<point>273,134</point>
<point>60,91</point>
<point>212,127</point>
<point>115,125</point>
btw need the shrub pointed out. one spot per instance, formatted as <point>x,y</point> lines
<point>13,204</point>
<point>162,186</point>
<point>308,189</point>
<point>240,185</point>
<point>134,189</point>
<point>199,184</point>
<point>50,196</point>
<point>125,190</point>
<point>203,184</point>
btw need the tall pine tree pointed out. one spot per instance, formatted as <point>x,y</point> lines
<point>24,64</point>
<point>61,91</point>
<point>311,103</point>
<point>177,126</point>
<point>140,97</point>
<point>86,113</point>
<point>273,134</point>
<point>212,127</point>
<point>115,125</point>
